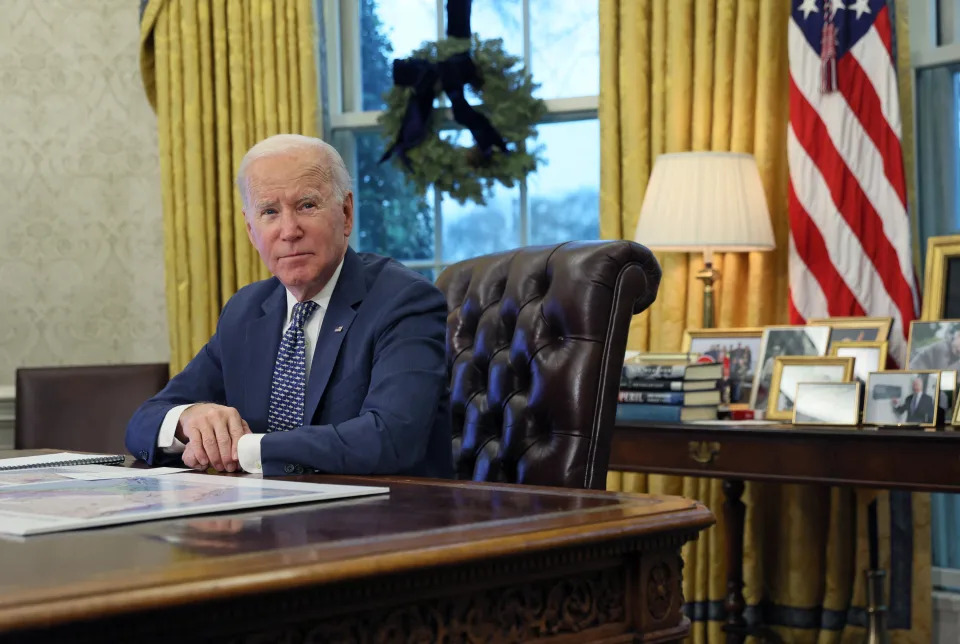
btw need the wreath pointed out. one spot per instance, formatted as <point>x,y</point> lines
<point>425,143</point>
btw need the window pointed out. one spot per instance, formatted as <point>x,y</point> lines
<point>935,62</point>
<point>935,59</point>
<point>558,40</point>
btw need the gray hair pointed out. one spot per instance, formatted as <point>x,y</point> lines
<point>334,171</point>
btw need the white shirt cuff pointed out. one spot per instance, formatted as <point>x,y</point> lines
<point>167,440</point>
<point>248,453</point>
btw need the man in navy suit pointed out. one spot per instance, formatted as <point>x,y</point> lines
<point>335,364</point>
<point>918,405</point>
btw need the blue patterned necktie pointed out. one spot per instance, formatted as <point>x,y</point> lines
<point>290,373</point>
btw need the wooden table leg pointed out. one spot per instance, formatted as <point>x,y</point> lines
<point>734,513</point>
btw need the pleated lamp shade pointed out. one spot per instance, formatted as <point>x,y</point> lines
<point>705,201</point>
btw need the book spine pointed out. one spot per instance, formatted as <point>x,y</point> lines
<point>651,385</point>
<point>658,397</point>
<point>652,413</point>
<point>652,372</point>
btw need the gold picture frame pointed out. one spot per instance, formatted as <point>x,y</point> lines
<point>951,375</point>
<point>881,324</point>
<point>732,332</point>
<point>907,375</point>
<point>739,383</point>
<point>782,363</point>
<point>955,416</point>
<point>940,250</point>
<point>882,348</point>
<point>854,390</point>
<point>816,336</point>
<point>910,339</point>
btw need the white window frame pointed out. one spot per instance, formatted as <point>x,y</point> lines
<point>343,97</point>
<point>925,51</point>
<point>924,20</point>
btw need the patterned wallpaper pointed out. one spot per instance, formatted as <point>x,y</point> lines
<point>81,247</point>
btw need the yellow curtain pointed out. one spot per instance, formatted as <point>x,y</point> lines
<point>221,75</point>
<point>682,75</point>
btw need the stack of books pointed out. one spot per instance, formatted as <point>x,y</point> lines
<point>669,393</point>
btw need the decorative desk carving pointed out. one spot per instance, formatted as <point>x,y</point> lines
<point>704,452</point>
<point>513,613</point>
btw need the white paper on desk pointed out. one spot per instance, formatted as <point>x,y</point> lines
<point>30,476</point>
<point>80,472</point>
<point>73,505</point>
<point>734,423</point>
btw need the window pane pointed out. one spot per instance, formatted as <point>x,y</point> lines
<point>564,194</point>
<point>470,230</point>
<point>392,218</point>
<point>500,19</point>
<point>938,151</point>
<point>390,29</point>
<point>565,47</point>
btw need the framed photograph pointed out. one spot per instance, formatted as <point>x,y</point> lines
<point>854,329</point>
<point>827,403</point>
<point>867,356</point>
<point>948,393</point>
<point>934,345</point>
<point>941,278</point>
<point>902,398</point>
<point>955,416</point>
<point>737,349</point>
<point>784,341</point>
<point>789,371</point>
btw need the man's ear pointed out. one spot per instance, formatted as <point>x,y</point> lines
<point>348,214</point>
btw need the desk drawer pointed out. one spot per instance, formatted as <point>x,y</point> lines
<point>907,460</point>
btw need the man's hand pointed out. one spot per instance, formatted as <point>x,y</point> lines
<point>211,433</point>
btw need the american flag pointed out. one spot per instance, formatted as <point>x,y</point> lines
<point>850,251</point>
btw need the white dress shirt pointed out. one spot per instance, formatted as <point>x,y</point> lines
<point>248,447</point>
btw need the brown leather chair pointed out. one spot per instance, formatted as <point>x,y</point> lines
<point>82,408</point>
<point>535,345</point>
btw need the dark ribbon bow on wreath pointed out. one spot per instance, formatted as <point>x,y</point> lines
<point>452,73</point>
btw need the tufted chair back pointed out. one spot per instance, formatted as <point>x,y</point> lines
<point>535,344</point>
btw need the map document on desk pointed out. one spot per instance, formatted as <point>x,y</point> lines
<point>75,504</point>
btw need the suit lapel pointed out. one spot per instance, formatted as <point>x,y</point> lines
<point>349,291</point>
<point>262,342</point>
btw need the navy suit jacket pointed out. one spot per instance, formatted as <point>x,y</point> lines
<point>377,400</point>
<point>924,412</point>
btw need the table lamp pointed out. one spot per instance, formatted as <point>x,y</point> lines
<point>705,201</point>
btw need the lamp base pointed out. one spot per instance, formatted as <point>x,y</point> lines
<point>708,275</point>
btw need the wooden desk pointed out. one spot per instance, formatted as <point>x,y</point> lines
<point>434,561</point>
<point>893,459</point>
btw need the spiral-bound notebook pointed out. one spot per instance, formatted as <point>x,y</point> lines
<point>58,460</point>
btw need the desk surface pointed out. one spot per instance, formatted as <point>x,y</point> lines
<point>49,579</point>
<point>870,457</point>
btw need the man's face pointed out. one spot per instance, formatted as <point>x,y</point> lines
<point>917,385</point>
<point>294,221</point>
